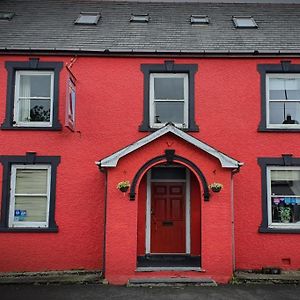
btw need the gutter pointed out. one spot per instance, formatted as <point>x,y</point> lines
<point>146,52</point>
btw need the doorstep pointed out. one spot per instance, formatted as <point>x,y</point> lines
<point>166,281</point>
<point>169,262</point>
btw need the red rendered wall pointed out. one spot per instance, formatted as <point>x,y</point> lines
<point>109,111</point>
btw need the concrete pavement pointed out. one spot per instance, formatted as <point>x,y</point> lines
<point>98,291</point>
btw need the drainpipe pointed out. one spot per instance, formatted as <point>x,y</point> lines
<point>104,225</point>
<point>232,216</point>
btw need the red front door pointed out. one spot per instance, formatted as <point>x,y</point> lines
<point>168,217</point>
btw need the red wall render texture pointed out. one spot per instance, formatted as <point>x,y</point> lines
<point>108,113</point>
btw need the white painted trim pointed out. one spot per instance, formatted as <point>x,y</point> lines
<point>148,214</point>
<point>226,161</point>
<point>187,213</point>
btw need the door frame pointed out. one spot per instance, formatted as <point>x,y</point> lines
<point>187,210</point>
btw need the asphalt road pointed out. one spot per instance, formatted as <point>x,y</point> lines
<point>95,292</point>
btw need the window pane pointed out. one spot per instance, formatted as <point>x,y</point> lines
<point>30,209</point>
<point>284,112</point>
<point>31,181</point>
<point>35,85</point>
<point>169,112</point>
<point>285,182</point>
<point>284,88</point>
<point>40,110</point>
<point>168,173</point>
<point>169,88</point>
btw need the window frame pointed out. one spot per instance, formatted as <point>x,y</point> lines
<point>29,161</point>
<point>17,99</point>
<point>152,99</point>
<point>280,76</point>
<point>287,162</point>
<point>169,67</point>
<point>284,68</point>
<point>13,67</point>
<point>272,224</point>
<point>14,168</point>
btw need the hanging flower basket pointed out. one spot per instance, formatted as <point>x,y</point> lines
<point>123,186</point>
<point>216,187</point>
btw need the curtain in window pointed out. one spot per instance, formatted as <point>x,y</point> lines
<point>289,175</point>
<point>24,99</point>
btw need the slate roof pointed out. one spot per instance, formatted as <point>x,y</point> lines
<point>49,25</point>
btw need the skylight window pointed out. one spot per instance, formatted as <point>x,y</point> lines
<point>140,18</point>
<point>199,19</point>
<point>88,18</point>
<point>4,15</point>
<point>244,22</point>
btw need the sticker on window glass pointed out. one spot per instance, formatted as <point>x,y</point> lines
<point>20,214</point>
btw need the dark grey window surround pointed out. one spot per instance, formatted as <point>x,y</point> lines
<point>30,158</point>
<point>283,67</point>
<point>32,64</point>
<point>264,162</point>
<point>169,67</point>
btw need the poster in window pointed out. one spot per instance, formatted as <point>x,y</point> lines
<point>70,103</point>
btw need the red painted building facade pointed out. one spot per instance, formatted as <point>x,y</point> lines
<point>235,123</point>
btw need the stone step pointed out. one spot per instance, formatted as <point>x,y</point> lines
<point>285,277</point>
<point>73,276</point>
<point>174,281</point>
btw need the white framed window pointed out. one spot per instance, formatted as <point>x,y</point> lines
<point>168,98</point>
<point>29,196</point>
<point>283,197</point>
<point>283,101</point>
<point>33,101</point>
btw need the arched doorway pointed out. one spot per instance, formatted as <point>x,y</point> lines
<point>169,215</point>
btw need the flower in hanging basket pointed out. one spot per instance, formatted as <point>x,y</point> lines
<point>216,187</point>
<point>123,186</point>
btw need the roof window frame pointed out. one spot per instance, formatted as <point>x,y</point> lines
<point>237,26</point>
<point>195,20</point>
<point>139,18</point>
<point>6,15</point>
<point>97,16</point>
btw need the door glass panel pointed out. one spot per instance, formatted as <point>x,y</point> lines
<point>168,173</point>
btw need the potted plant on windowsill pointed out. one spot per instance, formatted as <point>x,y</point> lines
<point>216,187</point>
<point>123,186</point>
<point>285,214</point>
